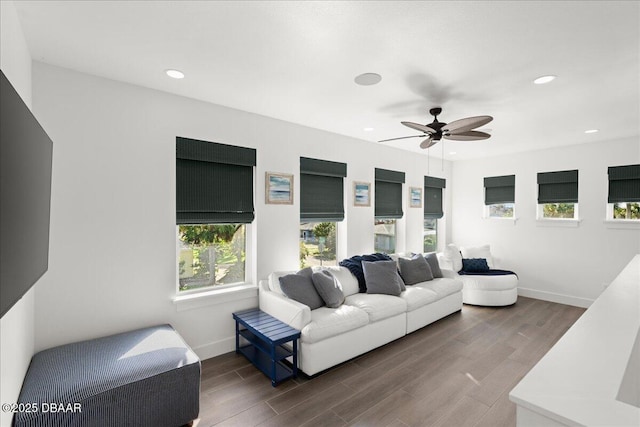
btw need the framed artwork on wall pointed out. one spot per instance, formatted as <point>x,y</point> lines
<point>361,194</point>
<point>279,188</point>
<point>415,197</point>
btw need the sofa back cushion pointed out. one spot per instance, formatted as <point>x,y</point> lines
<point>346,280</point>
<point>274,280</point>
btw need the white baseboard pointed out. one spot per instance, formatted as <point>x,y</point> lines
<point>553,297</point>
<point>216,348</point>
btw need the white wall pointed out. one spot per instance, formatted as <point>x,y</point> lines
<point>568,265</point>
<point>17,325</point>
<point>113,258</point>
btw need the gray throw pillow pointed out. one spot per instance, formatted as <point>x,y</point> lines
<point>382,277</point>
<point>432,259</point>
<point>415,270</point>
<point>299,287</point>
<point>328,288</point>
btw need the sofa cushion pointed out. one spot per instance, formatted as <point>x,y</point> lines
<point>345,278</point>
<point>382,277</point>
<point>474,265</point>
<point>354,264</point>
<point>442,287</point>
<point>416,297</point>
<point>377,306</point>
<point>328,288</point>
<point>483,251</point>
<point>414,270</point>
<point>299,287</point>
<point>432,259</point>
<point>328,322</point>
<point>452,255</point>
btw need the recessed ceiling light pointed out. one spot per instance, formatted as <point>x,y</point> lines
<point>368,79</point>
<point>368,129</point>
<point>591,131</point>
<point>544,79</point>
<point>452,153</point>
<point>175,74</point>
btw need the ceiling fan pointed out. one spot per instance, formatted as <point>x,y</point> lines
<point>458,130</point>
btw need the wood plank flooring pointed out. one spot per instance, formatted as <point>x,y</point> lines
<point>455,372</point>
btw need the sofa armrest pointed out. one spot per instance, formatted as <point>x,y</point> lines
<point>286,310</point>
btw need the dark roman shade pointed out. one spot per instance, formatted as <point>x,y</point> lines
<point>499,189</point>
<point>558,187</point>
<point>388,194</point>
<point>214,183</point>
<point>433,197</point>
<point>624,184</point>
<point>321,190</point>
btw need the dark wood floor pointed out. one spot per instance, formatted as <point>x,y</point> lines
<point>455,372</point>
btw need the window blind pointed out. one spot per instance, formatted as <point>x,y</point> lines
<point>433,197</point>
<point>624,184</point>
<point>499,189</point>
<point>388,198</point>
<point>321,190</point>
<point>214,183</point>
<point>558,187</point>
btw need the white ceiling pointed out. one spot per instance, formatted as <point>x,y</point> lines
<point>296,61</point>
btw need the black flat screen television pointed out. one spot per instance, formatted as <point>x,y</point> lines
<point>25,197</point>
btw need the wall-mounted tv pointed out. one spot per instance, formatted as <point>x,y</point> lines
<point>25,194</point>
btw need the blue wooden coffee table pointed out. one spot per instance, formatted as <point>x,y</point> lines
<point>265,336</point>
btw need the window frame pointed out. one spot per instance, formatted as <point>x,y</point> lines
<point>227,156</point>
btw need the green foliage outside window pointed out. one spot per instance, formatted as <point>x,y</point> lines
<point>559,210</point>
<point>629,210</point>
<point>211,254</point>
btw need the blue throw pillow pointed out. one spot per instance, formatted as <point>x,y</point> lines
<point>474,265</point>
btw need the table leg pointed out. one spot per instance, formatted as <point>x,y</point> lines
<point>295,358</point>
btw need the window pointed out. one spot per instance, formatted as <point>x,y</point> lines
<point>317,244</point>
<point>388,208</point>
<point>385,236</point>
<point>499,196</point>
<point>430,235</point>
<point>321,207</point>
<point>214,205</point>
<point>433,189</point>
<point>624,193</point>
<point>558,195</point>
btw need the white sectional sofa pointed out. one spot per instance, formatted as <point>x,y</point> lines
<point>330,336</point>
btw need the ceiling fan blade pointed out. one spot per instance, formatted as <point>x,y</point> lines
<point>403,137</point>
<point>428,143</point>
<point>466,124</point>
<point>471,135</point>
<point>418,126</point>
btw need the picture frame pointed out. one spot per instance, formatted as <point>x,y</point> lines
<point>415,197</point>
<point>278,188</point>
<point>361,193</point>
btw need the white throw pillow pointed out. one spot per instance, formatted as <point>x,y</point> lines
<point>452,255</point>
<point>478,252</point>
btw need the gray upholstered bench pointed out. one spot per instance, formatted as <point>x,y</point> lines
<point>148,377</point>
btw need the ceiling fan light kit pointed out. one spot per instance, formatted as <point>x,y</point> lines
<point>457,130</point>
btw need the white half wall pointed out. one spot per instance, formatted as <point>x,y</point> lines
<point>17,325</point>
<point>113,233</point>
<point>570,265</point>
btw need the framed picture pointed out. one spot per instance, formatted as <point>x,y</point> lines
<point>279,188</point>
<point>361,194</point>
<point>415,197</point>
